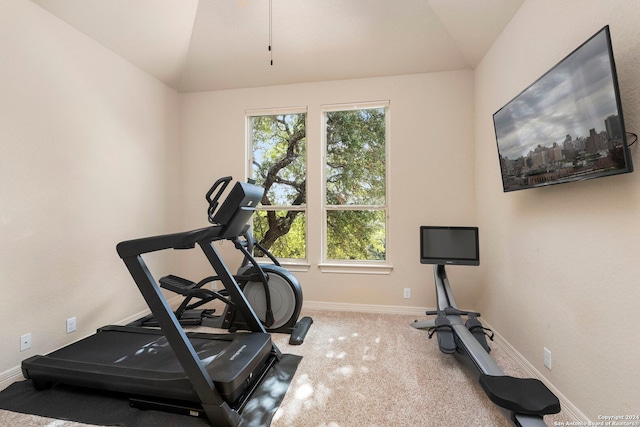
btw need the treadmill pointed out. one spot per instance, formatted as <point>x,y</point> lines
<point>197,374</point>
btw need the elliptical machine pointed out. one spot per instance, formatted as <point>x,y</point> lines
<point>272,291</point>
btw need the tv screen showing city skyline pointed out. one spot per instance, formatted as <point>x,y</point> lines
<point>567,125</point>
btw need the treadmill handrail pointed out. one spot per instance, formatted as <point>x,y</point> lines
<point>182,240</point>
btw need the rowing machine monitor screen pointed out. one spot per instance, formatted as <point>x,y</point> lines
<point>449,245</point>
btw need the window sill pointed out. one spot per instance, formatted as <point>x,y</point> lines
<point>341,268</point>
<point>295,266</point>
<point>359,268</point>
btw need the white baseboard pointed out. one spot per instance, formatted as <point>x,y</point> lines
<point>364,308</point>
<point>10,376</point>
<point>568,408</point>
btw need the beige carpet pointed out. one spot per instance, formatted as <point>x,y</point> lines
<point>370,370</point>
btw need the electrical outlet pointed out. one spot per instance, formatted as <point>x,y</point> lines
<point>71,325</point>
<point>547,358</point>
<point>25,342</point>
<point>407,292</point>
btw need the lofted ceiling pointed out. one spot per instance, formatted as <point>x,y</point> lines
<point>201,45</point>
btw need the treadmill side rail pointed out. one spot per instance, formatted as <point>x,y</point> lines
<point>218,410</point>
<point>185,353</point>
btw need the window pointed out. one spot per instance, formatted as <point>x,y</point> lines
<point>347,195</point>
<point>355,207</point>
<point>279,164</point>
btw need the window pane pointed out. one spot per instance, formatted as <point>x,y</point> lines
<point>283,233</point>
<point>356,157</point>
<point>279,158</point>
<point>278,144</point>
<point>356,234</point>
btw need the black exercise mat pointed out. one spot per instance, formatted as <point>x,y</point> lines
<point>103,408</point>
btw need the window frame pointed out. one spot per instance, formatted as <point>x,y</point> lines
<point>294,264</point>
<point>354,266</point>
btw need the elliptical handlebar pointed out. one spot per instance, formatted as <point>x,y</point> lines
<point>249,243</point>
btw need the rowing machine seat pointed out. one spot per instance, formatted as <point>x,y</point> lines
<point>521,395</point>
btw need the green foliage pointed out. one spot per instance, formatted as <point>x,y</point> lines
<point>290,245</point>
<point>356,157</point>
<point>356,235</point>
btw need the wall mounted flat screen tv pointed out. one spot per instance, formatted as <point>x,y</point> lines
<point>449,245</point>
<point>568,125</point>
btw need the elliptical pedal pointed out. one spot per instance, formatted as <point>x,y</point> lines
<point>300,330</point>
<point>176,284</point>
